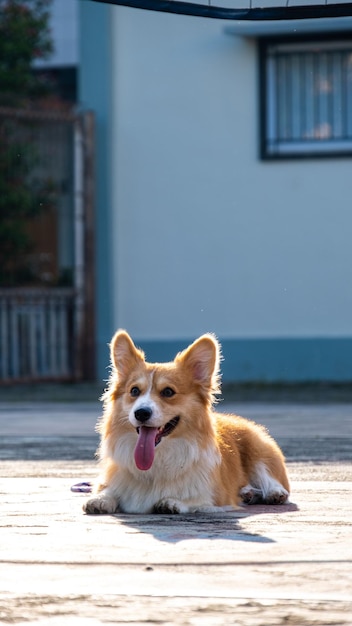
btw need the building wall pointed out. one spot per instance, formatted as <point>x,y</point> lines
<point>95,78</point>
<point>206,237</point>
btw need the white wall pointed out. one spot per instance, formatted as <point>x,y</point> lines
<point>206,236</point>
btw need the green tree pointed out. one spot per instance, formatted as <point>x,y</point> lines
<point>24,37</point>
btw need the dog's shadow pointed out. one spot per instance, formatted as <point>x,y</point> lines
<point>215,526</point>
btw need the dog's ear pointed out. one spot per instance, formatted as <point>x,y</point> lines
<point>202,359</point>
<point>124,354</point>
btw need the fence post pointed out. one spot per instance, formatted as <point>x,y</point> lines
<point>88,341</point>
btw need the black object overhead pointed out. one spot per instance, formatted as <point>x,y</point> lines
<point>284,12</point>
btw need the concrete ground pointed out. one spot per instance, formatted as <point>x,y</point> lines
<point>266,566</point>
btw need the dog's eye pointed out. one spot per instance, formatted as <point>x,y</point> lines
<point>135,392</point>
<point>167,392</point>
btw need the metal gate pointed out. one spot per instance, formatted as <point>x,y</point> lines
<point>47,328</point>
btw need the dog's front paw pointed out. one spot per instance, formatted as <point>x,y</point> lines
<point>101,505</point>
<point>277,497</point>
<point>169,505</point>
<point>251,495</point>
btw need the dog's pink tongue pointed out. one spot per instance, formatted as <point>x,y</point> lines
<point>144,451</point>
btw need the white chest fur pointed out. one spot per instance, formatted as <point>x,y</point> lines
<point>182,470</point>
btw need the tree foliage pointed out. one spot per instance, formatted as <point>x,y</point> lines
<point>24,37</point>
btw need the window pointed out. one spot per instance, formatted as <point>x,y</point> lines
<point>307,98</point>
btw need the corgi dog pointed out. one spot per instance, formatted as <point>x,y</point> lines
<point>164,449</point>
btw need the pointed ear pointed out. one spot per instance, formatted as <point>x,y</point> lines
<point>202,359</point>
<point>124,354</point>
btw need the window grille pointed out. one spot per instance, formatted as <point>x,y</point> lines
<point>307,98</point>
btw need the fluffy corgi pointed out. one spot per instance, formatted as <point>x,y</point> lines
<point>163,448</point>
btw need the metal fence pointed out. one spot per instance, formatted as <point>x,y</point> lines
<point>37,334</point>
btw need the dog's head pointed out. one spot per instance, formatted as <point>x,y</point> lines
<point>155,401</point>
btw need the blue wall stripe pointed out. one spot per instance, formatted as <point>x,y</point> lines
<point>272,360</point>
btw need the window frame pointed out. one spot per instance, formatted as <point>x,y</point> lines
<point>300,149</point>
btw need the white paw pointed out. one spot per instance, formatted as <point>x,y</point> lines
<point>253,495</point>
<point>279,496</point>
<point>169,505</point>
<point>100,505</point>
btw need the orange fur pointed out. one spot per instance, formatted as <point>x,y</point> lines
<point>186,457</point>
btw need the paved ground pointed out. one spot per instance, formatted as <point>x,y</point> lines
<point>268,566</point>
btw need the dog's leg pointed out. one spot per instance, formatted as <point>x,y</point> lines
<point>104,502</point>
<point>263,488</point>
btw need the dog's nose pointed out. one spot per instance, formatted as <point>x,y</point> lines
<point>143,414</point>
